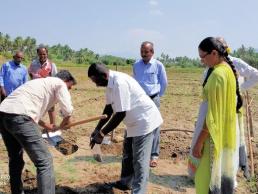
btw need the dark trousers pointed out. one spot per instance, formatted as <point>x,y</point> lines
<point>135,162</point>
<point>21,132</point>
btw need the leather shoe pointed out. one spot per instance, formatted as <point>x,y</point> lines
<point>117,185</point>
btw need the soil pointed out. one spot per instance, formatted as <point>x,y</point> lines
<point>79,172</point>
<point>66,148</point>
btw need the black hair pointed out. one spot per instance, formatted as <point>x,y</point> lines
<point>207,76</point>
<point>41,46</point>
<point>65,76</point>
<point>208,45</point>
<point>97,69</point>
<point>146,43</point>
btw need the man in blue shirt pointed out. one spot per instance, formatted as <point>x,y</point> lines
<point>151,75</point>
<point>12,75</point>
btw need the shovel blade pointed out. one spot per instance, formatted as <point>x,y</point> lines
<point>61,145</point>
<point>96,151</point>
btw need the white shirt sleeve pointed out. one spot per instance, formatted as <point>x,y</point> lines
<point>108,96</point>
<point>64,99</point>
<point>54,69</point>
<point>121,95</point>
<point>247,71</point>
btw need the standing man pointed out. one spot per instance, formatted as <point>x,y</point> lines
<point>248,75</point>
<point>247,78</point>
<point>20,113</point>
<point>127,101</point>
<point>43,67</point>
<point>151,75</point>
<point>12,75</point>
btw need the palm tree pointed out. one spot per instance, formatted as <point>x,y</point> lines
<point>30,47</point>
<point>18,43</point>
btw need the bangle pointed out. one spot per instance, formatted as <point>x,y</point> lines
<point>101,133</point>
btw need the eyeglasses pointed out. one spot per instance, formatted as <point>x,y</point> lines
<point>202,57</point>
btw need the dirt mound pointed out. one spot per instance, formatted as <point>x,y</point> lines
<point>113,148</point>
<point>66,147</point>
<point>174,145</point>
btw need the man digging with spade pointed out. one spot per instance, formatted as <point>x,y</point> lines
<point>128,102</point>
<point>20,113</point>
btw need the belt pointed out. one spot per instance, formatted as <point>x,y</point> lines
<point>154,95</point>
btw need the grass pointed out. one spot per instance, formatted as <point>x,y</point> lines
<point>252,184</point>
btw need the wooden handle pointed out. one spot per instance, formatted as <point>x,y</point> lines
<point>249,135</point>
<point>85,121</point>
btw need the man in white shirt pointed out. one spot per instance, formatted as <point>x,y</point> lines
<point>247,78</point>
<point>248,75</point>
<point>20,113</point>
<point>127,101</point>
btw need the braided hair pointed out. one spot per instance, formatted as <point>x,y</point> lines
<point>210,70</point>
<point>209,44</point>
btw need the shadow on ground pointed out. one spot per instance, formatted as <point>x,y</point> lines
<point>92,188</point>
<point>106,159</point>
<point>175,182</point>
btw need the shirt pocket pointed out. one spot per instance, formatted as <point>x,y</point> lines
<point>150,77</point>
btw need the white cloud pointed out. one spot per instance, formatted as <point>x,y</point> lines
<point>143,34</point>
<point>153,2</point>
<point>154,9</point>
<point>156,12</point>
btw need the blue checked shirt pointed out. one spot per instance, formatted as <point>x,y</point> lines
<point>152,76</point>
<point>12,76</point>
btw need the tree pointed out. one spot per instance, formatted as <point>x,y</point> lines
<point>18,44</point>
<point>30,47</point>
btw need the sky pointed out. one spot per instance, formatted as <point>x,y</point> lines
<point>117,27</point>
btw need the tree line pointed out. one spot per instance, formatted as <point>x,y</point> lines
<point>248,54</point>
<point>63,54</point>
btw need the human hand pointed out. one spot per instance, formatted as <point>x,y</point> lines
<point>51,127</point>
<point>94,132</point>
<point>197,150</point>
<point>97,139</point>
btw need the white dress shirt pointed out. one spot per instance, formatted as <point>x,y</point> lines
<point>36,97</point>
<point>248,75</point>
<point>125,94</point>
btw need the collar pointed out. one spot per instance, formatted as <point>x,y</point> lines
<point>151,62</point>
<point>44,64</point>
<point>16,64</point>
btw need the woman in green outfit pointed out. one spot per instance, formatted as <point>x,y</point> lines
<point>216,145</point>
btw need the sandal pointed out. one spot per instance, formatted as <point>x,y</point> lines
<point>153,163</point>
